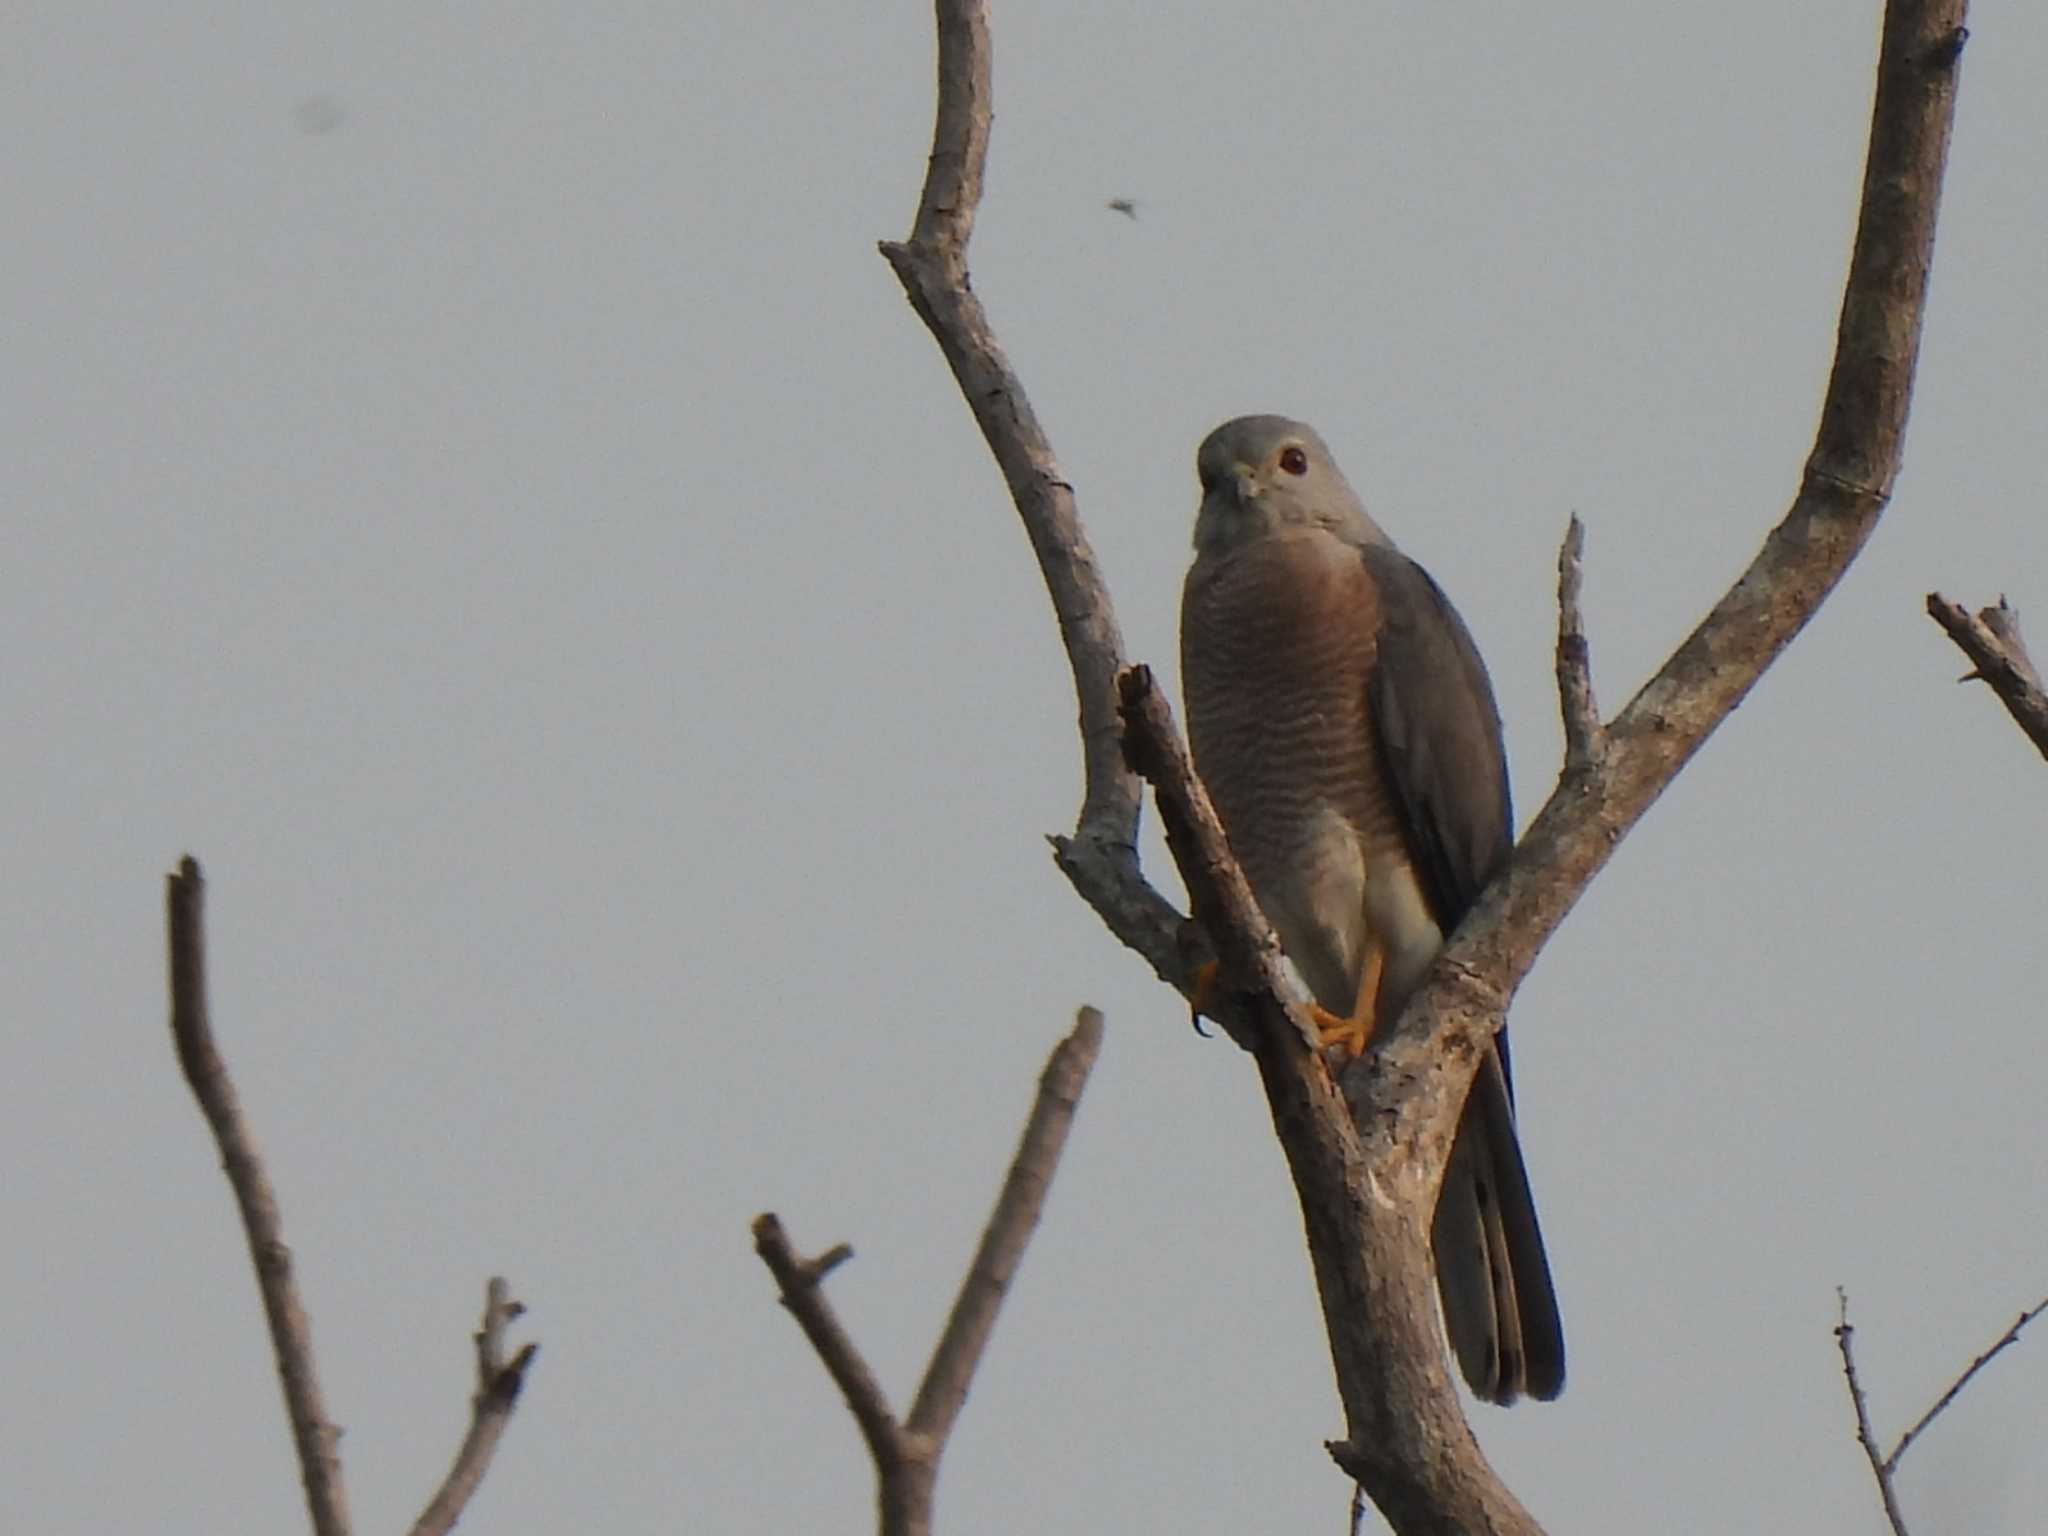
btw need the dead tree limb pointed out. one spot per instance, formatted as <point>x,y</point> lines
<point>1884,1466</point>
<point>314,1435</point>
<point>906,1452</point>
<point>1865,1436</point>
<point>291,1333</point>
<point>498,1384</point>
<point>1406,1439</point>
<point>1585,738</point>
<point>1990,637</point>
<point>1101,857</point>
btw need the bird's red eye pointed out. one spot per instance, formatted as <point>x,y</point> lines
<point>1294,461</point>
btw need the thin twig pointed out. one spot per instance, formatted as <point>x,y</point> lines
<point>1879,1467</point>
<point>906,1455</point>
<point>1885,1467</point>
<point>291,1334</point>
<point>498,1383</point>
<point>1584,740</point>
<point>1009,1229</point>
<point>798,1279</point>
<point>1998,658</point>
<point>2010,1336</point>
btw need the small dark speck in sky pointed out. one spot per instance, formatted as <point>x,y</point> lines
<point>319,114</point>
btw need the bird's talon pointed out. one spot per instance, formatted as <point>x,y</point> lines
<point>1333,1030</point>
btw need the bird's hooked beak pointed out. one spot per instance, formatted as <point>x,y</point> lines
<point>1230,507</point>
<point>1237,486</point>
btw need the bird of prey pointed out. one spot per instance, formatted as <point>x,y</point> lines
<point>1344,726</point>
<point>1127,206</point>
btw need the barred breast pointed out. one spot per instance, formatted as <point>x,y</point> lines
<point>1277,642</point>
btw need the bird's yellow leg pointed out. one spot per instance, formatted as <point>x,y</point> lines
<point>1352,1033</point>
<point>1205,986</point>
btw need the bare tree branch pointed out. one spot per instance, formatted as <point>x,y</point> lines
<point>1998,657</point>
<point>906,1454</point>
<point>1407,1441</point>
<point>1009,1228</point>
<point>1585,739</point>
<point>1879,1467</point>
<point>1101,857</point>
<point>798,1279</point>
<point>498,1383</point>
<point>2010,1336</point>
<point>291,1334</point>
<point>1847,482</point>
<point>1884,1468</point>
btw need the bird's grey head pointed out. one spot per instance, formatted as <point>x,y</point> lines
<point>1263,475</point>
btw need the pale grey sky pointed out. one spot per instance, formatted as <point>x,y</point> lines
<point>506,522</point>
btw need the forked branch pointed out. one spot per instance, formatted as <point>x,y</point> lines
<point>1990,637</point>
<point>313,1435</point>
<point>906,1452</point>
<point>498,1384</point>
<point>1884,1465</point>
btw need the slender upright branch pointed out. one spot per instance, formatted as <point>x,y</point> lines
<point>906,1453</point>
<point>1990,637</point>
<point>498,1383</point>
<point>1584,737</point>
<point>1865,1437</point>
<point>1101,856</point>
<point>1009,1229</point>
<point>1847,482</point>
<point>291,1333</point>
